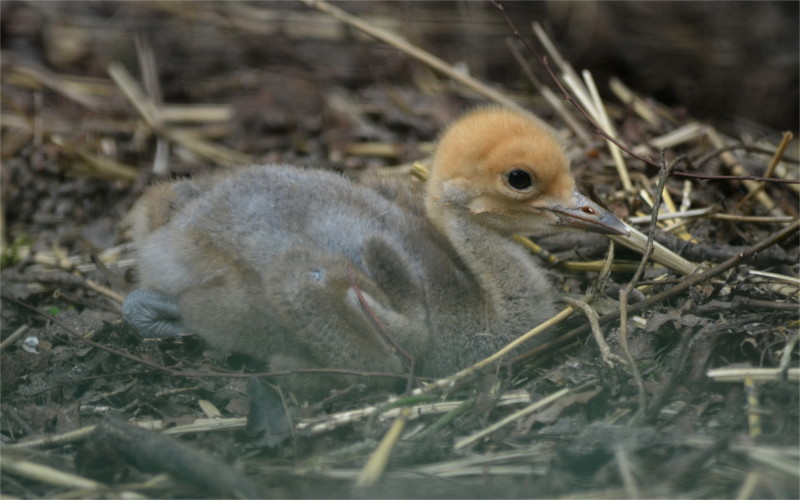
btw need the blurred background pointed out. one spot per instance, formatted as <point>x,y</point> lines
<point>735,63</point>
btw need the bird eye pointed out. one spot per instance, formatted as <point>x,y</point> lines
<point>519,179</point>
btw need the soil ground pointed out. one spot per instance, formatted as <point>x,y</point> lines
<point>234,83</point>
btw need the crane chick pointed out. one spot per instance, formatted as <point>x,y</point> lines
<point>305,269</point>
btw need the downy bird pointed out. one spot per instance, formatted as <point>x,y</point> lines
<point>304,268</point>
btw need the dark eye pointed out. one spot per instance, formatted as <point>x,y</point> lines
<point>519,179</point>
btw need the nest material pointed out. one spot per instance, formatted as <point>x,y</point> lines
<point>694,395</point>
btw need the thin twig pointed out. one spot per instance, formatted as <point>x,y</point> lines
<point>448,383</point>
<point>757,374</point>
<point>152,115</point>
<point>305,427</point>
<point>736,167</point>
<point>776,158</point>
<point>752,218</point>
<point>733,147</point>
<point>567,96</point>
<point>685,284</point>
<point>663,174</point>
<point>461,443</point>
<point>376,463</point>
<point>775,180</point>
<point>625,472</point>
<point>605,351</point>
<point>623,342</point>
<point>413,51</point>
<point>51,476</point>
<point>605,272</point>
<point>549,95</point>
<point>633,101</point>
<point>602,116</point>
<point>597,128</point>
<point>14,336</point>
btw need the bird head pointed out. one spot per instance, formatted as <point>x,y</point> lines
<point>505,169</point>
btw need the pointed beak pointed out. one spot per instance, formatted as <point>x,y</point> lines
<point>589,216</point>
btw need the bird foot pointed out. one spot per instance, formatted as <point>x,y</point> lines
<point>154,314</point>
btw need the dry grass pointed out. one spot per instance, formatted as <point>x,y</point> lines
<point>694,396</point>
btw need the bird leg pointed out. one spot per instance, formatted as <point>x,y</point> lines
<point>154,314</point>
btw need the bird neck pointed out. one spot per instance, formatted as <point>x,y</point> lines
<point>502,268</point>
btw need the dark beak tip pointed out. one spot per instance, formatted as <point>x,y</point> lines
<point>625,231</point>
<point>617,229</point>
<point>611,224</point>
